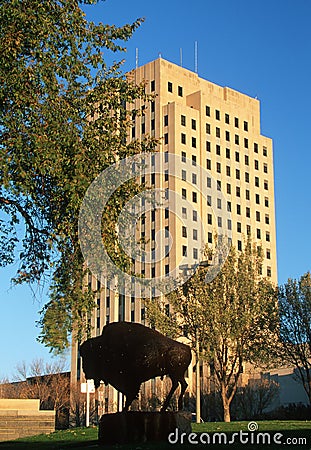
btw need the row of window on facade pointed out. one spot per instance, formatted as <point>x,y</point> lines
<point>217,113</point>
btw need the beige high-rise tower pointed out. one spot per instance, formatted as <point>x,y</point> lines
<point>211,134</point>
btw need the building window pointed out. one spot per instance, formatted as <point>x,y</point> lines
<point>166,138</point>
<point>267,202</point>
<point>194,178</point>
<point>183,120</point>
<point>246,160</point>
<point>248,230</point>
<point>229,206</point>
<point>217,114</point>
<point>209,200</point>
<point>184,175</point>
<point>184,250</point>
<point>245,142</point>
<point>209,238</point>
<point>166,120</point>
<point>218,167</point>
<point>228,171</point>
<point>255,147</point>
<point>238,209</point>
<point>194,160</point>
<point>227,119</point>
<point>265,151</point>
<point>166,213</point>
<point>268,271</point>
<point>247,194</point>
<point>218,132</point>
<point>227,136</point>
<point>258,216</point>
<point>143,128</point>
<point>193,124</point>
<point>257,199</point>
<point>239,245</point>
<point>265,185</point>
<point>183,156</point>
<point>228,188</point>
<point>167,231</point>
<point>180,92</point>
<point>184,232</point>
<point>195,234</point>
<point>248,212</point>
<point>194,142</point>
<point>152,85</point>
<point>246,177</point>
<point>237,174</point>
<point>236,122</point>
<point>237,156</point>
<point>258,233</point>
<point>268,254</point>
<point>170,86</point>
<point>208,164</point>
<point>194,197</point>
<point>238,191</point>
<point>152,106</point>
<point>217,149</point>
<point>209,219</point>
<point>219,222</point>
<point>265,168</point>
<point>209,182</point>
<point>208,146</point>
<point>184,212</point>
<point>245,126</point>
<point>257,181</point>
<point>229,224</point>
<point>166,175</point>
<point>194,216</point>
<point>267,219</point>
<point>166,157</point>
<point>184,193</point>
<point>208,128</point>
<point>207,111</point>
<point>228,153</point>
<point>152,124</point>
<point>195,253</point>
<point>219,203</point>
<point>183,138</point>
<point>256,164</point>
<point>133,132</point>
<point>236,139</point>
<point>167,269</point>
<point>267,236</point>
<point>239,227</point>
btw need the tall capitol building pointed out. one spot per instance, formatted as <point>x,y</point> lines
<point>210,139</point>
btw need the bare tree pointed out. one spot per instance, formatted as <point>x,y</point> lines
<point>295,328</point>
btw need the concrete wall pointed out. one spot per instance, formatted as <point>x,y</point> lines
<point>22,417</point>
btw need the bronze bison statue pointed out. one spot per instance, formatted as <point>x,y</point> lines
<point>127,354</point>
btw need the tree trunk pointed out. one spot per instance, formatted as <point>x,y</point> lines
<point>226,405</point>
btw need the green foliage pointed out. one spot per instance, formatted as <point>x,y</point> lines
<point>295,328</point>
<point>62,121</point>
<point>234,317</point>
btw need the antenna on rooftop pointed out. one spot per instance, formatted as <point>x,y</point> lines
<point>196,56</point>
<point>136,58</point>
<point>180,56</point>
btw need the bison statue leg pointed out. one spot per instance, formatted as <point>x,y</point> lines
<point>175,382</point>
<point>130,397</point>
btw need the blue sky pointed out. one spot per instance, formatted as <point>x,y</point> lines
<point>259,47</point>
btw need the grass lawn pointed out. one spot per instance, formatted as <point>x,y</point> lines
<point>83,438</point>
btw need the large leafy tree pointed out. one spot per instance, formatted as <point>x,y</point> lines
<point>233,318</point>
<point>62,121</point>
<point>295,328</point>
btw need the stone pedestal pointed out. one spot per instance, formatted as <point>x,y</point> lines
<point>138,426</point>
